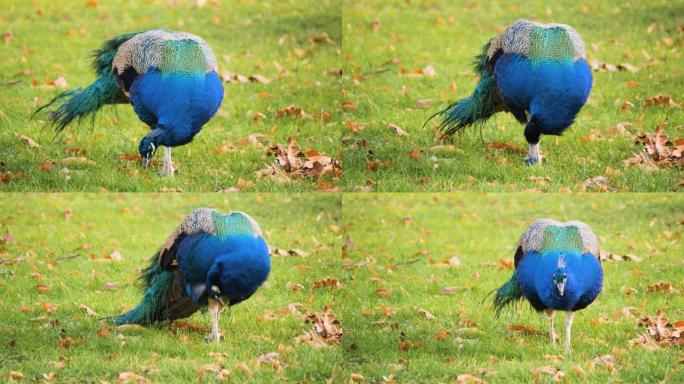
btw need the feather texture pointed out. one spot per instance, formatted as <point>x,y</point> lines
<point>537,72</point>
<point>210,256</point>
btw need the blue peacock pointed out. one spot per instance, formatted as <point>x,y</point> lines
<point>211,260</point>
<point>557,268</point>
<point>538,72</point>
<point>170,78</point>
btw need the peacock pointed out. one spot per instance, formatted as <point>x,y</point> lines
<point>537,72</point>
<point>170,78</point>
<point>211,260</point>
<point>557,268</point>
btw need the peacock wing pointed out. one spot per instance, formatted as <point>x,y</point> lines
<point>198,221</point>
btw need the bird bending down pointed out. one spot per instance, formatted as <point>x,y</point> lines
<point>557,268</point>
<point>211,260</point>
<point>170,78</point>
<point>537,72</point>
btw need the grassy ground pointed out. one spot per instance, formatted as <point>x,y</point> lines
<point>38,234</point>
<point>46,40</point>
<point>387,43</point>
<point>395,248</point>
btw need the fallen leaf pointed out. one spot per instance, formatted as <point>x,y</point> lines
<point>524,329</point>
<point>29,141</point>
<point>130,377</point>
<point>87,310</point>
<point>508,147</point>
<point>429,71</point>
<point>426,314</point>
<point>400,132</point>
<point>116,256</point>
<point>466,378</point>
<point>556,374</point>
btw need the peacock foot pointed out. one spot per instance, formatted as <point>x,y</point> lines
<point>532,161</point>
<point>213,337</point>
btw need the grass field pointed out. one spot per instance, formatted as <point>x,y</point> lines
<point>62,242</point>
<point>387,47</point>
<point>394,256</point>
<point>282,41</point>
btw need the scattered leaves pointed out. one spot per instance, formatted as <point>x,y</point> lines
<point>327,329</point>
<point>524,329</point>
<point>291,162</point>
<point>130,377</point>
<point>658,150</point>
<point>610,256</point>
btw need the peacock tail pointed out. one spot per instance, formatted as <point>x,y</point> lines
<point>477,108</point>
<point>163,298</point>
<point>121,60</point>
<point>82,102</point>
<point>537,45</point>
<point>507,294</point>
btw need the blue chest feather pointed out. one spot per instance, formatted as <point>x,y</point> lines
<point>236,264</point>
<point>584,279</point>
<point>178,104</point>
<point>552,91</point>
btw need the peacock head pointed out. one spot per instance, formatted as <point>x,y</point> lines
<point>559,276</point>
<point>147,149</point>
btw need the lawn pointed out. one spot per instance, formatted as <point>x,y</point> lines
<point>395,258</point>
<point>56,254</point>
<point>294,45</point>
<point>404,61</point>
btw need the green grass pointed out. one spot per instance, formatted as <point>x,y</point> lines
<point>136,225</point>
<point>397,242</point>
<point>53,39</point>
<point>448,35</point>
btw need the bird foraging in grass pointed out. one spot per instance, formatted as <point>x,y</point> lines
<point>557,268</point>
<point>170,78</point>
<point>537,72</point>
<point>211,260</point>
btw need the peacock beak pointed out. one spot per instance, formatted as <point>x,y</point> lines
<point>145,161</point>
<point>561,287</point>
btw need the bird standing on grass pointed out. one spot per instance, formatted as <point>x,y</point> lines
<point>170,79</point>
<point>538,72</point>
<point>210,260</point>
<point>557,267</point>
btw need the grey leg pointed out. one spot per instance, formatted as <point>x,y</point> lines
<point>168,164</point>
<point>568,330</point>
<point>215,308</point>
<point>552,332</point>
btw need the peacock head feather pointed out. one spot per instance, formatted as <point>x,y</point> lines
<point>147,148</point>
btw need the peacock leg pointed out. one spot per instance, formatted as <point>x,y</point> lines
<point>568,327</point>
<point>215,308</point>
<point>532,134</point>
<point>552,332</point>
<point>168,164</point>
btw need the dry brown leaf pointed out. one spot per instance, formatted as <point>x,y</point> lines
<point>291,163</point>
<point>426,314</point>
<point>524,329</point>
<point>423,103</point>
<point>400,132</point>
<point>662,100</point>
<point>466,378</point>
<point>429,71</point>
<point>130,377</point>
<point>605,255</point>
<point>29,141</point>
<point>327,282</point>
<point>556,374</point>
<point>349,106</point>
<point>327,329</point>
<point>508,147</point>
<point>87,310</point>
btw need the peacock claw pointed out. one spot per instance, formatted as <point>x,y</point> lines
<point>213,337</point>
<point>532,161</point>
